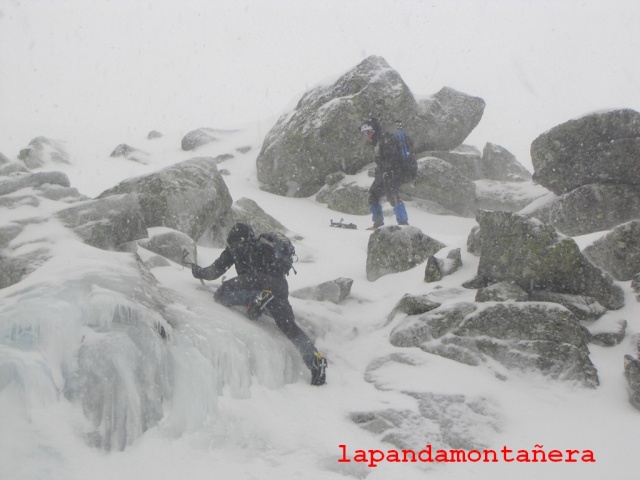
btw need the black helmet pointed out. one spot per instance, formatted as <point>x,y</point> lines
<point>239,233</point>
<point>370,123</point>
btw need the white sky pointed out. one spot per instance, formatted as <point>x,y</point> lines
<point>80,66</point>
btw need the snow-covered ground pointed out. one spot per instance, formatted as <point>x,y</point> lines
<point>275,425</point>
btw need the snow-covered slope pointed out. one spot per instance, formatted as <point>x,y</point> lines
<point>234,397</point>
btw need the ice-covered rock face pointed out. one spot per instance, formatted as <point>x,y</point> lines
<point>89,328</point>
<point>104,336</point>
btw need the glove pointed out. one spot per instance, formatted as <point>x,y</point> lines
<point>196,271</point>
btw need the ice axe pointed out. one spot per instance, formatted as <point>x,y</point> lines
<point>185,255</point>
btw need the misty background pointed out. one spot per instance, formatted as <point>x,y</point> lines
<point>69,68</point>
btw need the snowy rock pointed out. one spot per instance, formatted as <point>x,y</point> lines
<point>413,305</point>
<point>610,339</point>
<point>130,153</point>
<point>189,196</point>
<point>440,182</point>
<point>535,257</point>
<point>450,117</point>
<point>154,134</point>
<point>242,210</point>
<point>635,285</point>
<point>501,292</point>
<point>506,196</point>
<point>523,336</point>
<point>632,374</point>
<point>618,252</point>
<point>439,267</point>
<point>20,181</point>
<point>156,261</point>
<point>170,244</point>
<point>3,159</point>
<point>466,159</point>
<point>498,163</point>
<point>15,266</point>
<point>396,249</point>
<point>593,208</point>
<point>107,222</point>
<point>41,151</point>
<point>601,148</point>
<point>345,197</point>
<point>12,167</point>
<point>59,193</point>
<point>334,291</point>
<point>248,211</point>
<point>441,420</point>
<point>473,241</point>
<point>582,306</point>
<point>197,138</point>
<point>320,135</point>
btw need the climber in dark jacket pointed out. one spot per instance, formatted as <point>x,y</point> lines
<point>388,178</point>
<point>259,287</point>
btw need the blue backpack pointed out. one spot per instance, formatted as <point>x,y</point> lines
<point>408,164</point>
<point>278,252</point>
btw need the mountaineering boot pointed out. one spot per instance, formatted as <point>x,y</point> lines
<point>401,214</point>
<point>318,370</point>
<point>376,216</point>
<point>256,305</point>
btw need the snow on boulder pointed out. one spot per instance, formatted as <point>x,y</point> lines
<point>106,223</point>
<point>189,196</point>
<point>618,252</point>
<point>534,256</point>
<point>170,244</point>
<point>41,151</point>
<point>601,148</point>
<point>397,249</point>
<point>524,336</point>
<point>320,135</point>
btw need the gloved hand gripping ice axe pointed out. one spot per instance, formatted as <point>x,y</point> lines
<point>185,255</point>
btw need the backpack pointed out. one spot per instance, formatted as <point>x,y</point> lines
<point>408,164</point>
<point>278,253</point>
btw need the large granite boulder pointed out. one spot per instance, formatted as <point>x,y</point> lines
<point>107,222</point>
<point>189,196</point>
<point>440,182</point>
<point>498,163</point>
<point>466,159</point>
<point>397,249</point>
<point>592,208</point>
<point>601,148</point>
<point>243,210</point>
<point>618,252</point>
<point>450,117</point>
<point>320,136</point>
<point>533,255</point>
